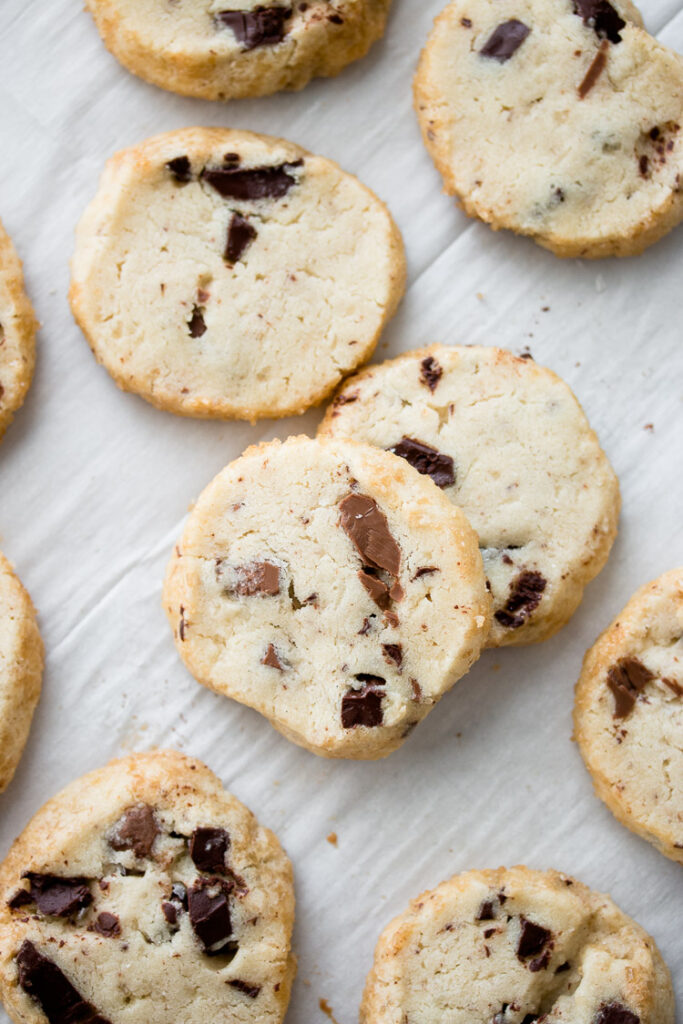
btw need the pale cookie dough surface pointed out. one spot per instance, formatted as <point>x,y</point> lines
<point>330,587</point>
<point>18,327</point>
<point>515,947</point>
<point>224,274</point>
<point>21,669</point>
<point>145,894</point>
<point>506,441</point>
<point>220,50</point>
<point>628,715</point>
<point>558,119</point>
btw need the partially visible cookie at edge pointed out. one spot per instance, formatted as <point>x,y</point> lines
<point>18,326</point>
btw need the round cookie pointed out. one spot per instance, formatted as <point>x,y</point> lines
<point>513,947</point>
<point>560,120</point>
<point>220,50</point>
<point>21,669</point>
<point>628,716</point>
<point>18,326</point>
<point>508,442</point>
<point>144,892</point>
<point>224,274</point>
<point>330,587</point>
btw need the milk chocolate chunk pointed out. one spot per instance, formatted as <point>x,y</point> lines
<point>378,591</point>
<point>59,897</point>
<point>601,17</point>
<point>526,593</point>
<point>367,528</point>
<point>264,26</point>
<point>532,939</point>
<point>180,169</point>
<point>626,679</point>
<point>430,372</point>
<point>271,658</point>
<point>135,830</point>
<point>425,570</point>
<point>257,578</point>
<point>210,914</point>
<point>505,40</point>
<point>107,925</point>
<point>674,686</point>
<point>363,706</point>
<point>426,460</point>
<point>393,653</point>
<point>196,324</point>
<point>615,1013</point>
<point>243,986</point>
<point>209,848</point>
<point>240,236</point>
<point>43,981</point>
<point>598,65</point>
<point>252,183</point>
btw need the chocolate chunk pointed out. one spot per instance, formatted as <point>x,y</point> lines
<point>378,591</point>
<point>257,578</point>
<point>43,981</point>
<point>59,897</point>
<point>626,679</point>
<point>180,169</point>
<point>135,830</point>
<point>505,40</point>
<point>209,848</point>
<point>566,966</point>
<point>347,399</point>
<point>210,914</point>
<point>541,962</point>
<point>598,65</point>
<point>430,373</point>
<point>526,592</point>
<point>271,659</point>
<point>416,689</point>
<point>393,653</point>
<point>397,593</point>
<point>170,912</point>
<point>264,26</point>
<point>196,323</point>
<point>21,898</point>
<point>107,925</point>
<point>367,528</point>
<point>674,686</point>
<point>253,183</point>
<point>365,628</point>
<point>249,990</point>
<point>426,460</point>
<point>240,235</point>
<point>177,902</point>
<point>426,570</point>
<point>486,911</point>
<point>601,17</point>
<point>532,939</point>
<point>615,1013</point>
<point>363,706</point>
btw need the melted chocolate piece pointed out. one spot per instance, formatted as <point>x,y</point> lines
<point>601,17</point>
<point>426,460</point>
<point>59,897</point>
<point>486,911</point>
<point>43,981</point>
<point>378,591</point>
<point>532,939</point>
<point>264,26</point>
<point>257,578</point>
<point>505,40</point>
<point>626,679</point>
<point>526,592</point>
<point>135,830</point>
<point>430,373</point>
<point>180,169</point>
<point>271,659</point>
<point>597,67</point>
<point>196,323</point>
<point>367,528</point>
<point>240,236</point>
<point>249,990</point>
<point>209,849</point>
<point>393,653</point>
<point>107,925</point>
<point>210,913</point>
<point>254,183</point>
<point>364,706</point>
<point>615,1013</point>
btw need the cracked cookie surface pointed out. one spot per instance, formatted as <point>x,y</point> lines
<point>18,327</point>
<point>516,946</point>
<point>145,893</point>
<point>220,50</point>
<point>628,715</point>
<point>506,441</point>
<point>229,275</point>
<point>330,587</point>
<point>560,120</point>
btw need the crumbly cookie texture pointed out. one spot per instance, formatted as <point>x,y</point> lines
<point>18,326</point>
<point>332,588</point>
<point>145,893</point>
<point>21,669</point>
<point>515,946</point>
<point>560,120</point>
<point>628,715</point>
<point>229,275</point>
<point>220,50</point>
<point>506,441</point>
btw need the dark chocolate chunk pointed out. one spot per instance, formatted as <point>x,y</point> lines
<point>44,982</point>
<point>176,902</point>
<point>526,592</point>
<point>426,460</point>
<point>59,897</point>
<point>170,912</point>
<point>251,183</point>
<point>196,323</point>
<point>135,830</point>
<point>363,706</point>
<point>393,653</point>
<point>626,679</point>
<point>505,40</point>
<point>368,530</point>
<point>107,925</point>
<point>240,236</point>
<point>21,898</point>
<point>541,962</point>
<point>210,913</point>
<point>180,169</point>
<point>209,848</point>
<point>566,966</point>
<point>486,911</point>
<point>601,17</point>
<point>264,26</point>
<point>615,1013</point>
<point>345,399</point>
<point>644,166</point>
<point>532,939</point>
<point>430,373</point>
<point>249,990</point>
<point>257,578</point>
<point>598,65</point>
<point>271,659</point>
<point>378,591</point>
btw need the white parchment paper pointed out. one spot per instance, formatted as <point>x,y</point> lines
<point>94,485</point>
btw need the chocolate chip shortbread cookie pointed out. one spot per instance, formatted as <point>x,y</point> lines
<point>628,715</point>
<point>145,893</point>
<point>223,274</point>
<point>330,587</point>
<point>560,120</point>
<point>508,442</point>
<point>18,327</point>
<point>21,669</point>
<point>220,50</point>
<point>514,947</point>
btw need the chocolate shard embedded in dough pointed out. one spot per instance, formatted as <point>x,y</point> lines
<point>209,849</point>
<point>601,17</point>
<point>363,707</point>
<point>626,679</point>
<point>264,26</point>
<point>261,578</point>
<point>505,40</point>
<point>251,183</point>
<point>43,981</point>
<point>367,528</point>
<point>426,460</point>
<point>210,914</point>
<point>240,236</point>
<point>136,830</point>
<point>58,897</point>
